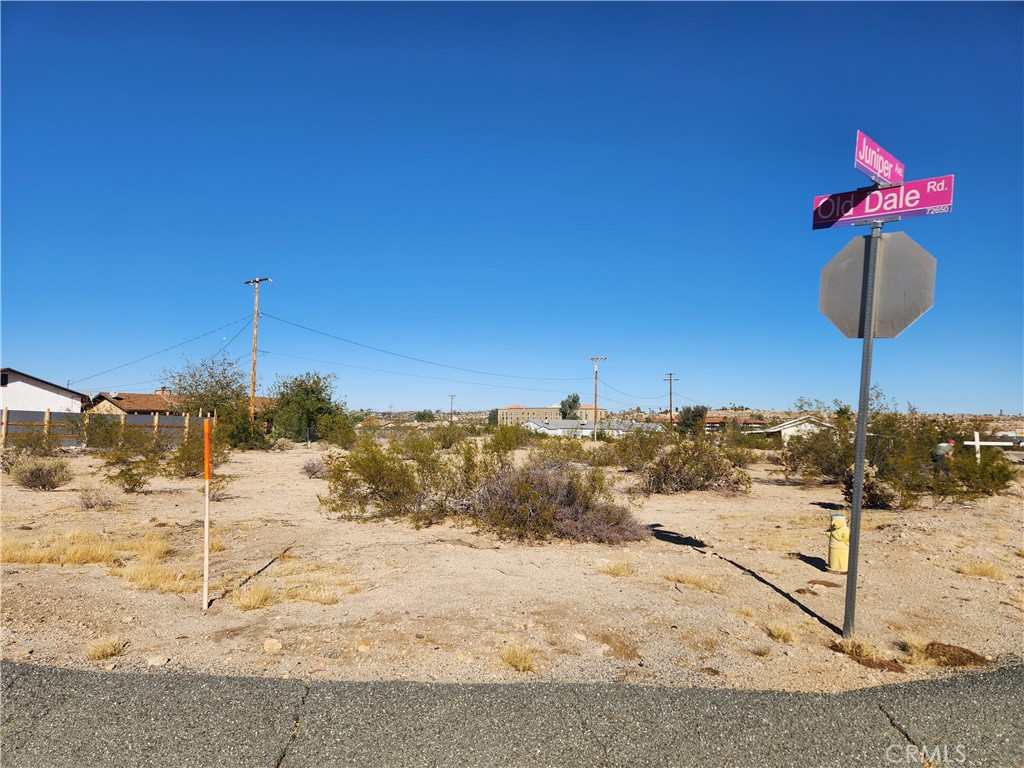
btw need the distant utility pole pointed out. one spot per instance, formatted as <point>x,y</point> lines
<point>596,361</point>
<point>671,413</point>
<point>451,409</point>
<point>255,324</point>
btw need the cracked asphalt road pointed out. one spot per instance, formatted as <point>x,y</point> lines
<point>57,717</point>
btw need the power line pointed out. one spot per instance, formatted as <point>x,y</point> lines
<point>415,359</point>
<point>411,375</point>
<point>168,349</point>
<point>638,397</point>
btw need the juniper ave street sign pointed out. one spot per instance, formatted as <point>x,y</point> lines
<point>924,197</point>
<point>879,165</point>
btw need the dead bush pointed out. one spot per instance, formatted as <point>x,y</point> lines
<point>42,474</point>
<point>314,468</point>
<point>553,499</point>
<point>693,465</point>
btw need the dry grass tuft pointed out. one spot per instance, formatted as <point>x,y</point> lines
<point>106,648</point>
<point>519,658</point>
<point>917,651</point>
<point>617,568</point>
<point>745,611</point>
<point>986,569</point>
<point>781,633</point>
<point>866,655</point>
<point>253,597</point>
<point>147,574</point>
<point>152,548</point>
<point>314,593</point>
<point>697,581</point>
<point>1020,552</point>
<point>762,650</point>
<point>72,548</point>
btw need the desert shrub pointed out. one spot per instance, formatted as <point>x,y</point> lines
<point>693,465</point>
<point>332,454</point>
<point>639,449</point>
<point>507,437</point>
<point>604,455</point>
<point>822,455</point>
<point>411,443</point>
<point>553,499</point>
<point>133,460</point>
<point>281,444</point>
<point>560,449</point>
<point>448,435</point>
<point>26,445</point>
<point>314,468</point>
<point>371,481</point>
<point>992,476</point>
<point>42,474</point>
<point>188,458</point>
<point>102,431</point>
<point>338,429</point>
<point>876,493</point>
<point>739,456</point>
<point>900,445</point>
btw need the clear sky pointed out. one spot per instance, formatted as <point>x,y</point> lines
<point>475,198</point>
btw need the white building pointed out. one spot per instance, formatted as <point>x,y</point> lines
<point>22,392</point>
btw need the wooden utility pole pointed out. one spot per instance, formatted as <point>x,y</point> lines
<point>255,283</point>
<point>596,361</point>
<point>671,413</point>
<point>451,409</point>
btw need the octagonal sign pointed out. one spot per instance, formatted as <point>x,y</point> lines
<point>905,280</point>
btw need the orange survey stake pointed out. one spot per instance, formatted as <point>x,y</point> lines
<point>206,449</point>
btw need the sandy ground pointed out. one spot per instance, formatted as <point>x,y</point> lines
<point>443,603</point>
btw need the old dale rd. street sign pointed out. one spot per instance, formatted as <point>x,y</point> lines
<point>905,286</point>
<point>876,286</point>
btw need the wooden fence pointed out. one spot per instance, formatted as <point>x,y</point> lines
<point>73,429</point>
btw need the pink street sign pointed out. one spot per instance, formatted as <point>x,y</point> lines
<point>914,198</point>
<point>878,164</point>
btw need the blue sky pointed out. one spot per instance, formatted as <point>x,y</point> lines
<point>482,196</point>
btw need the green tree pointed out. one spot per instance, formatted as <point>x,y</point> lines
<point>424,415</point>
<point>690,420</point>
<point>213,384</point>
<point>304,405</point>
<point>492,417</point>
<point>570,407</point>
<point>218,384</point>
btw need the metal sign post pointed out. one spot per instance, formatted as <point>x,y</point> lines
<point>860,440</point>
<point>852,299</point>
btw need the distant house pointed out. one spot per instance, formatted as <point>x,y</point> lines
<point>717,424</point>
<point>801,425</point>
<point>162,402</point>
<point>21,391</point>
<point>583,428</point>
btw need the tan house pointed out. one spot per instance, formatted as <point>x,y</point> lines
<point>162,402</point>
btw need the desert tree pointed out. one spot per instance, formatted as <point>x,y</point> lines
<point>570,406</point>
<point>305,405</point>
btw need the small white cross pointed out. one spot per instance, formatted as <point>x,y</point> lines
<point>977,443</point>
